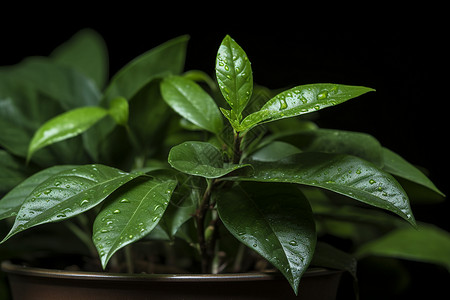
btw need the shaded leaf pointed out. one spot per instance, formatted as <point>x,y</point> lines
<point>276,221</point>
<point>427,243</point>
<point>85,52</point>
<point>165,59</point>
<point>200,159</point>
<point>396,165</point>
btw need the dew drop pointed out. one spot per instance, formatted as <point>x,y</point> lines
<point>85,201</point>
<point>117,211</point>
<point>283,104</point>
<point>47,192</point>
<point>124,200</point>
<point>227,68</point>
<point>57,183</point>
<point>255,245</point>
<point>104,230</point>
<point>322,95</point>
<point>293,243</point>
<point>316,107</point>
<point>358,171</point>
<point>130,236</point>
<point>371,181</point>
<point>156,207</point>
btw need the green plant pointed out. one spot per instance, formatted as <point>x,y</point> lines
<point>262,178</point>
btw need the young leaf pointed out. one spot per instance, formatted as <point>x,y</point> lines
<point>344,174</point>
<point>130,213</point>
<point>68,193</point>
<point>427,244</point>
<point>200,159</point>
<point>190,101</point>
<point>276,221</point>
<point>11,203</point>
<point>234,75</point>
<point>64,126</point>
<point>301,100</point>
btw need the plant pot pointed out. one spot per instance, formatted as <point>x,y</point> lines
<point>35,283</point>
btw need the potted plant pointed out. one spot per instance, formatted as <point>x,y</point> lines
<point>168,168</point>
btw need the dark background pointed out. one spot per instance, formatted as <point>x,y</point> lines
<point>405,61</point>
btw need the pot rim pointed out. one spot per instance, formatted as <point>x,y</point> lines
<point>11,268</point>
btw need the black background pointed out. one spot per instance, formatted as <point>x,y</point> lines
<point>404,56</point>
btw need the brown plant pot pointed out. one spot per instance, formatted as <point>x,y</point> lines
<point>35,283</point>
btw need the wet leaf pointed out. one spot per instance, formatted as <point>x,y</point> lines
<point>68,193</point>
<point>130,214</point>
<point>344,174</point>
<point>276,221</point>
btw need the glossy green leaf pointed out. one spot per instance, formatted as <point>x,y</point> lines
<point>344,174</point>
<point>301,100</point>
<point>165,59</point>
<point>234,75</point>
<point>10,204</point>
<point>398,166</point>
<point>85,52</point>
<point>190,101</point>
<point>64,126</point>
<point>119,110</point>
<point>68,193</point>
<point>276,221</point>
<point>427,243</point>
<point>130,213</point>
<point>200,159</point>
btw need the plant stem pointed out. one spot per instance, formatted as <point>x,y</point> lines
<point>237,148</point>
<point>129,259</point>
<point>200,220</point>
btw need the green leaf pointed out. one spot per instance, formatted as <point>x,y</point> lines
<point>427,243</point>
<point>165,59</point>
<point>68,193</point>
<point>200,159</point>
<point>301,100</point>
<point>67,86</point>
<point>130,214</point>
<point>344,174</point>
<point>64,126</point>
<point>275,151</point>
<point>396,165</point>
<point>358,144</point>
<point>12,171</point>
<point>234,75</point>
<point>119,110</point>
<point>190,101</point>
<point>276,221</point>
<point>85,52</point>
<point>10,204</point>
